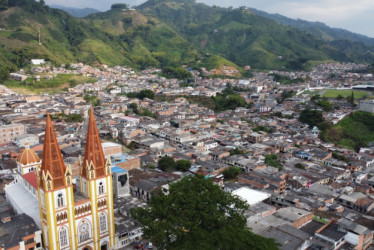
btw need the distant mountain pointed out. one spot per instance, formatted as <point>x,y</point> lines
<point>318,29</point>
<point>119,36</point>
<point>162,33</point>
<point>247,38</point>
<point>76,12</point>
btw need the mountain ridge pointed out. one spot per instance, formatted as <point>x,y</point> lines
<point>75,12</point>
<point>317,28</point>
<point>247,38</point>
<point>161,33</point>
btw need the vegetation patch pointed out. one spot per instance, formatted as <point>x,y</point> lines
<point>354,131</point>
<point>57,83</point>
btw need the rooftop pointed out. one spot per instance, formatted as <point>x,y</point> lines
<point>251,196</point>
<point>12,232</point>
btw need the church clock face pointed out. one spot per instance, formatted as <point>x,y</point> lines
<point>84,227</point>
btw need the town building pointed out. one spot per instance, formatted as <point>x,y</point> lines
<point>367,106</point>
<point>8,133</point>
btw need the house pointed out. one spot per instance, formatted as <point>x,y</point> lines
<point>209,145</point>
<point>128,121</point>
<point>8,133</point>
<point>303,155</point>
<point>37,61</point>
<point>27,139</point>
<point>289,237</point>
<point>20,232</point>
<point>255,137</point>
<point>263,181</point>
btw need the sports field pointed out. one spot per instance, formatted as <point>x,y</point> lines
<point>332,93</point>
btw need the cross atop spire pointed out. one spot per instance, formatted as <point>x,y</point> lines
<point>93,155</point>
<point>52,162</point>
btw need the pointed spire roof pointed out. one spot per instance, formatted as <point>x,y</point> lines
<point>52,160</point>
<point>93,151</point>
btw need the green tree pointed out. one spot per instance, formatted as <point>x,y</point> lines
<point>183,165</point>
<point>237,151</point>
<point>325,104</point>
<point>166,164</point>
<point>93,100</point>
<point>315,98</point>
<point>231,172</point>
<point>74,118</point>
<point>146,93</point>
<point>351,99</point>
<point>176,72</point>
<point>311,117</point>
<point>196,214</point>
<point>4,4</point>
<point>272,160</point>
<point>134,107</point>
<point>299,165</point>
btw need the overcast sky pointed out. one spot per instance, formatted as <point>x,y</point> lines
<point>353,15</point>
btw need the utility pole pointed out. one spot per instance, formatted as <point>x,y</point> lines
<point>40,40</point>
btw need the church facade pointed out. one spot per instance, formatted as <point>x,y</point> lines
<point>79,217</point>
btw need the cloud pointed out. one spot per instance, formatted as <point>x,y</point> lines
<point>327,10</point>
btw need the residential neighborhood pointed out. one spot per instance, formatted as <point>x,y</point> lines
<point>302,191</point>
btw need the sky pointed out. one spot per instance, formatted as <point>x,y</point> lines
<point>353,15</point>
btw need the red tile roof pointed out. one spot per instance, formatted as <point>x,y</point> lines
<point>32,179</point>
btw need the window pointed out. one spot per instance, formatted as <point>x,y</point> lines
<point>103,223</point>
<point>29,241</point>
<point>60,200</point>
<point>84,233</point>
<point>101,188</point>
<point>63,237</point>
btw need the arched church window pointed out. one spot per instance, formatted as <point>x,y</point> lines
<point>101,188</point>
<point>63,235</point>
<point>84,231</point>
<point>60,200</point>
<point>103,223</point>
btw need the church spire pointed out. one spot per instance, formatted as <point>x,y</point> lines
<point>93,156</point>
<point>53,167</point>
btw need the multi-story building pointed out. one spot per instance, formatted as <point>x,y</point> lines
<point>8,133</point>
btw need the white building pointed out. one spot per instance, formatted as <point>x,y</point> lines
<point>367,106</point>
<point>37,61</point>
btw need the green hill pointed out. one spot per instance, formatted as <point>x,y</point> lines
<point>162,33</point>
<point>246,38</point>
<point>116,37</point>
<point>320,30</point>
<point>354,131</point>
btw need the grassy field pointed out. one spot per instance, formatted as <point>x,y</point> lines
<point>332,93</point>
<point>47,86</point>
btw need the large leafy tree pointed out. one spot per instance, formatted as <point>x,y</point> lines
<point>166,164</point>
<point>183,165</point>
<point>197,214</point>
